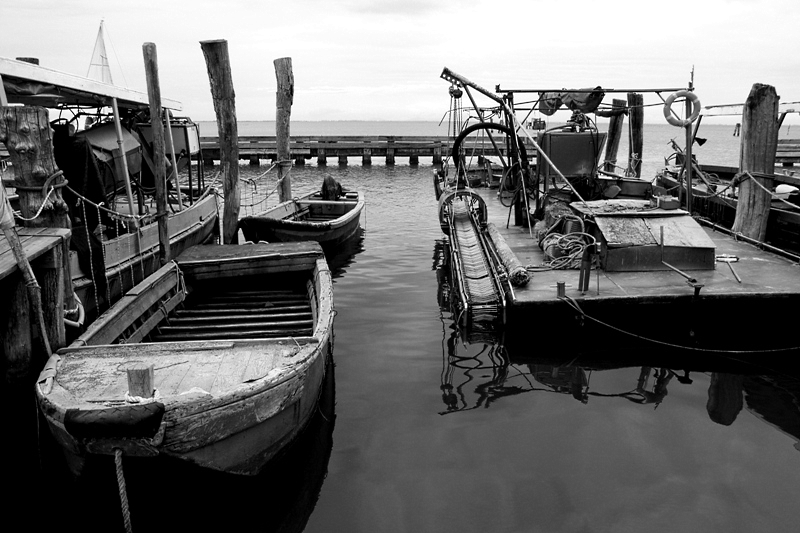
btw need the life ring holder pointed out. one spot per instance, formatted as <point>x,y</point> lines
<point>681,123</point>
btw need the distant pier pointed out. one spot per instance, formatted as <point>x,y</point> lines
<point>321,148</point>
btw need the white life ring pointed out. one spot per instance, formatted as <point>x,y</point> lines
<point>681,123</point>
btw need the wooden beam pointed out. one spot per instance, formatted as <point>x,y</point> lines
<point>283,113</point>
<point>154,93</point>
<point>221,81</point>
<point>758,146</point>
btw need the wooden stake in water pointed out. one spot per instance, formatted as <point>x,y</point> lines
<point>284,98</point>
<point>159,157</point>
<point>221,80</point>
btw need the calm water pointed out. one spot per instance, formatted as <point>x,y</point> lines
<point>430,432</point>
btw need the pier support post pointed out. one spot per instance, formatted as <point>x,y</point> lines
<point>413,160</point>
<point>366,157</point>
<point>390,152</point>
<point>437,153</point>
<point>254,161</point>
<point>221,81</point>
<point>757,156</point>
<point>636,110</point>
<point>322,160</point>
<point>343,160</point>
<point>614,135</point>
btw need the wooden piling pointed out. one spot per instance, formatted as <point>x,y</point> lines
<point>437,153</point>
<point>159,150</point>
<point>636,111</point>
<point>390,152</point>
<point>26,132</point>
<point>614,135</point>
<point>759,140</point>
<point>283,113</point>
<point>221,81</point>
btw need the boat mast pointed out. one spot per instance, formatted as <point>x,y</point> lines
<point>99,69</point>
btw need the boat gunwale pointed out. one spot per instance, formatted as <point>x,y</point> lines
<point>336,223</point>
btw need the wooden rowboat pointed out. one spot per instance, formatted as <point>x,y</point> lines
<point>307,218</point>
<point>231,343</point>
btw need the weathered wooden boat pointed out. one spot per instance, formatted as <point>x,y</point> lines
<point>110,197</point>
<point>307,218</point>
<point>232,342</point>
<point>714,197</point>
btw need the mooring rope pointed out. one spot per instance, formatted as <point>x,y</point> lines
<point>123,493</point>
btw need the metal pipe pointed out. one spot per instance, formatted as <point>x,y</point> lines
<point>603,89</point>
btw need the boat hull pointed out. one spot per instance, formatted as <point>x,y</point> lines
<point>783,224</point>
<point>229,400</point>
<point>125,267</point>
<point>287,221</point>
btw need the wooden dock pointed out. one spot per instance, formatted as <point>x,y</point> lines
<point>256,149</point>
<point>655,309</point>
<point>46,251</point>
<point>387,147</point>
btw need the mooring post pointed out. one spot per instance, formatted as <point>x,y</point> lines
<point>27,135</point>
<point>283,114</point>
<point>636,111</point>
<point>759,140</point>
<point>159,155</point>
<point>221,81</point>
<point>614,135</point>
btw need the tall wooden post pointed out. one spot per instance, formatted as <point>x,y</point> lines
<point>636,110</point>
<point>284,98</point>
<point>614,135</point>
<point>221,81</point>
<point>757,156</point>
<point>159,157</point>
<point>28,138</point>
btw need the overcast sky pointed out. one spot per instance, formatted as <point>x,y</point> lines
<point>381,59</point>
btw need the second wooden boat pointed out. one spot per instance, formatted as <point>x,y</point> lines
<point>307,218</point>
<point>229,345</point>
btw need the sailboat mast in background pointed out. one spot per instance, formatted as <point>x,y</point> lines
<point>99,68</point>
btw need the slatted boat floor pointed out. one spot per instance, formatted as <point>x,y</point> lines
<point>239,314</point>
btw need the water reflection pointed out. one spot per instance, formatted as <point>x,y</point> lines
<point>345,253</point>
<point>479,369</point>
